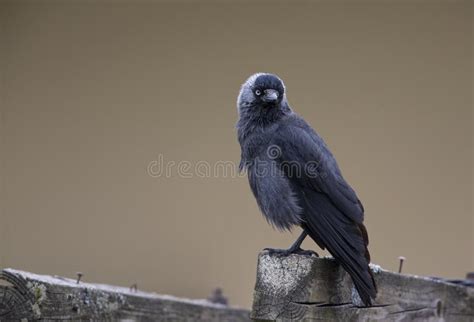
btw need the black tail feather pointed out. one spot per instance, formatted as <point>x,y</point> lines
<point>345,239</point>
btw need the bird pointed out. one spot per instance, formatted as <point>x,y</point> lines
<point>297,182</point>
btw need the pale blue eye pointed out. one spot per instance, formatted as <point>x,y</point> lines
<point>258,92</point>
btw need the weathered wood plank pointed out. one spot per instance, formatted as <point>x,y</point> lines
<point>299,287</point>
<point>30,296</point>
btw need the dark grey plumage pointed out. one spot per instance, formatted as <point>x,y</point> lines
<point>296,180</point>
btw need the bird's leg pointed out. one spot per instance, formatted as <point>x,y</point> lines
<point>294,249</point>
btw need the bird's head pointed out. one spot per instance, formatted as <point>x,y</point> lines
<point>262,92</point>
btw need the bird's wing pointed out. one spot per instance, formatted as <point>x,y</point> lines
<point>316,168</point>
<point>332,213</point>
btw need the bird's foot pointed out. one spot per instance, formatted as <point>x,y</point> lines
<point>289,251</point>
<point>307,252</point>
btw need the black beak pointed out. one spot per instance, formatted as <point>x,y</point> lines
<point>271,96</point>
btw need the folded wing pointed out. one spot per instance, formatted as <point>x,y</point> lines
<point>332,213</point>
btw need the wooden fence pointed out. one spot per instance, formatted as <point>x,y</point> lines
<point>308,288</point>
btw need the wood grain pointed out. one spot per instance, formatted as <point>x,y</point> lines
<point>299,287</point>
<point>30,296</point>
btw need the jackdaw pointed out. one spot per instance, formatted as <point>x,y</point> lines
<point>297,182</point>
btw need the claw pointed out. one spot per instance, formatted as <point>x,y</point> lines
<point>287,252</point>
<point>306,252</point>
<point>282,252</point>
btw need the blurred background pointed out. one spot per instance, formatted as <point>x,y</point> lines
<point>95,94</point>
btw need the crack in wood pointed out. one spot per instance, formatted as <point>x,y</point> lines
<point>324,290</point>
<point>324,304</point>
<point>49,298</point>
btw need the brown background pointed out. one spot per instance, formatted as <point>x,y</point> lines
<point>92,93</point>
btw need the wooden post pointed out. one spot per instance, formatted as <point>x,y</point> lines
<point>30,296</point>
<point>299,287</point>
